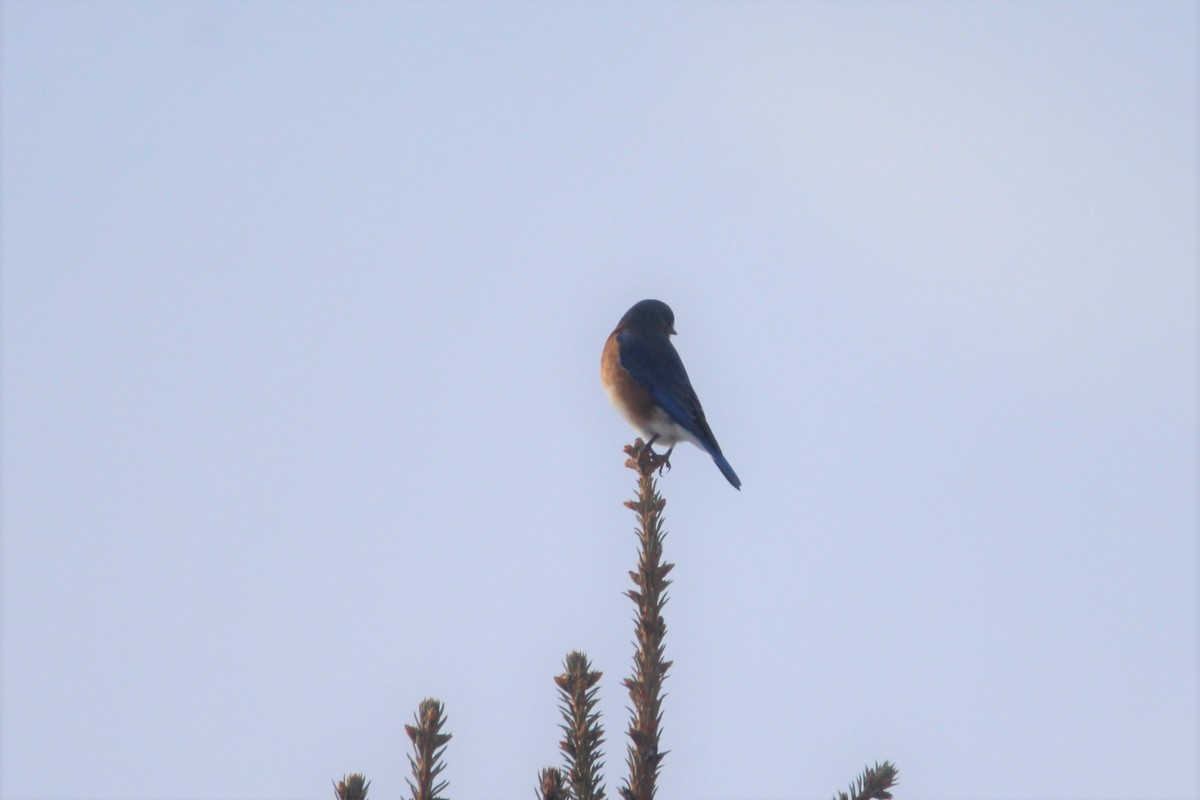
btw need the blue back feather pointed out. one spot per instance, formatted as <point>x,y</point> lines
<point>653,362</point>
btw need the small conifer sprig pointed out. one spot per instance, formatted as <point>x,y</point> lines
<point>873,784</point>
<point>552,785</point>
<point>645,755</point>
<point>351,787</point>
<point>582,733</point>
<point>429,745</point>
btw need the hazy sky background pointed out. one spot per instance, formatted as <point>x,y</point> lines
<point>303,306</point>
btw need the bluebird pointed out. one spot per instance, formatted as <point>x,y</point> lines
<point>647,383</point>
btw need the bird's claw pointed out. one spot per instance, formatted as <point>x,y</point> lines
<point>660,462</point>
<point>643,458</point>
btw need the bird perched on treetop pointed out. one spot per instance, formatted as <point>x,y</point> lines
<point>646,381</point>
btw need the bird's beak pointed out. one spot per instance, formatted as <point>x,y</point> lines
<point>673,333</point>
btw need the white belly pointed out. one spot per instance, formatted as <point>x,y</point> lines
<point>660,424</point>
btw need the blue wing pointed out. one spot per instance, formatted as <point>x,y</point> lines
<point>654,363</point>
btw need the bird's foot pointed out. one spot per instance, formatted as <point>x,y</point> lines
<point>643,458</point>
<point>662,462</point>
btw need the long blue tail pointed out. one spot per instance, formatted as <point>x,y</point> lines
<point>727,470</point>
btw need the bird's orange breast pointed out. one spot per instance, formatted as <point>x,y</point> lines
<point>627,395</point>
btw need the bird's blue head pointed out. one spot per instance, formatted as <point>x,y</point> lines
<point>651,316</point>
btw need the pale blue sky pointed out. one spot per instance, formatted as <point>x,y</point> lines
<point>303,306</point>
